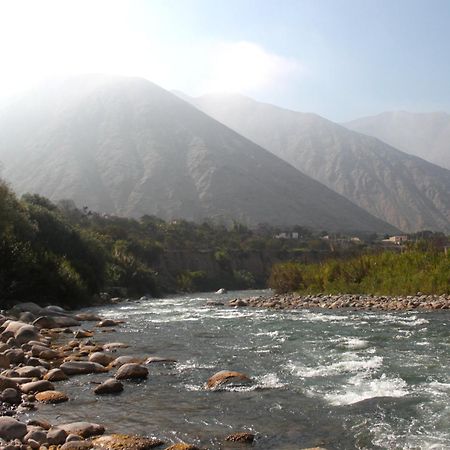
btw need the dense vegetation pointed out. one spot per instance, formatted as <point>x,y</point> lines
<point>61,254</point>
<point>420,268</point>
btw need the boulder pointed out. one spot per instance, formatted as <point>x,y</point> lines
<point>56,322</point>
<point>42,423</point>
<point>27,317</point>
<point>241,437</point>
<point>121,360</point>
<point>80,334</point>
<point>4,361</point>
<point>114,346</point>
<point>131,371</point>
<point>6,383</point>
<point>25,307</point>
<point>55,375</point>
<point>110,386</point>
<point>26,333</point>
<point>45,322</point>
<point>11,396</point>
<point>37,386</point>
<point>182,446</point>
<point>101,358</point>
<point>157,359</point>
<point>83,429</point>
<point>11,428</point>
<point>73,438</point>
<point>36,435</point>
<point>81,367</point>
<point>77,445</point>
<point>88,317</point>
<point>51,397</point>
<point>108,323</point>
<point>31,371</point>
<point>15,355</point>
<point>227,377</point>
<point>124,441</point>
<point>56,436</point>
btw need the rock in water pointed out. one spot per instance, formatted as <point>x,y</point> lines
<point>124,441</point>
<point>244,436</point>
<point>110,386</point>
<point>51,397</point>
<point>83,429</point>
<point>81,367</point>
<point>227,377</point>
<point>131,371</point>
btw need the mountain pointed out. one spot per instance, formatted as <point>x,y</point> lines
<point>401,189</point>
<point>128,147</point>
<point>426,135</point>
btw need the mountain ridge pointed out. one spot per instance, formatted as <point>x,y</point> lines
<point>404,190</point>
<point>426,135</point>
<point>126,146</point>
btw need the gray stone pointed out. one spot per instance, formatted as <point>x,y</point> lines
<point>11,428</point>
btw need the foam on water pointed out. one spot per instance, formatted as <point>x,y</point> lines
<point>354,343</point>
<point>350,363</point>
<point>362,387</point>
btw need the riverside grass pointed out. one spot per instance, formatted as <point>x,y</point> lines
<point>385,273</point>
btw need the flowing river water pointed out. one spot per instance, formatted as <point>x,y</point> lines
<point>339,379</point>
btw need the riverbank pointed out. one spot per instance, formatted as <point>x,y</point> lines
<point>43,347</point>
<point>44,351</point>
<point>348,301</point>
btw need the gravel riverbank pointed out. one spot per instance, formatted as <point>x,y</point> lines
<point>365,302</point>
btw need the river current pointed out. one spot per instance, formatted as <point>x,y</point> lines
<point>338,379</point>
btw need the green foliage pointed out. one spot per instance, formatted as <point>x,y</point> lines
<point>286,277</point>
<point>385,273</point>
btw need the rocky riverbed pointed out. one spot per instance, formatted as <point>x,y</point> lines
<point>41,347</point>
<point>357,302</point>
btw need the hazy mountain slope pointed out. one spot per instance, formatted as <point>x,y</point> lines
<point>126,146</point>
<point>426,135</point>
<point>401,189</point>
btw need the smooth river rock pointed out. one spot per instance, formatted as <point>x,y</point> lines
<point>11,428</point>
<point>83,429</point>
<point>131,371</point>
<point>110,386</point>
<point>81,367</point>
<point>227,377</point>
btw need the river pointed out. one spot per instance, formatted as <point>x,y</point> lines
<point>338,379</point>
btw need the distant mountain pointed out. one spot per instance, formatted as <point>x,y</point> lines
<point>128,147</point>
<point>426,135</point>
<point>401,189</point>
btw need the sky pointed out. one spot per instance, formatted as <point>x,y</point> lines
<point>341,59</point>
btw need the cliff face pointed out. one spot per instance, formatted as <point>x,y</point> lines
<point>406,191</point>
<point>128,147</point>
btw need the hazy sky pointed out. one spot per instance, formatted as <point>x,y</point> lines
<point>339,58</point>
